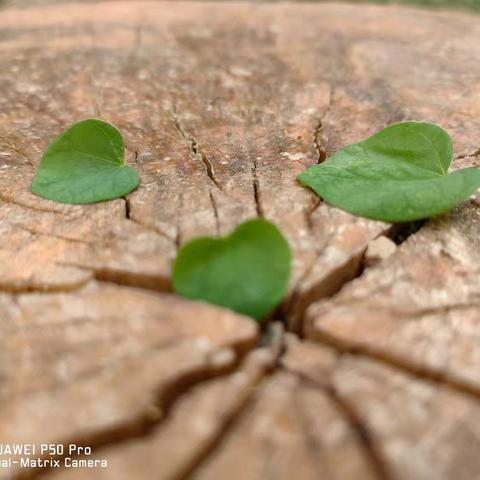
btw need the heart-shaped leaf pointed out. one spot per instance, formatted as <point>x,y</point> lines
<point>397,175</point>
<point>246,271</point>
<point>85,165</point>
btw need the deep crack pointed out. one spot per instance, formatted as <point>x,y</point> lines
<point>127,208</point>
<point>352,269</point>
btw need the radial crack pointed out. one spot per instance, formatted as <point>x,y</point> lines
<point>320,148</point>
<point>196,151</point>
<point>347,409</point>
<point>422,372</point>
<point>256,190</point>
<point>143,423</point>
<point>200,154</point>
<point>215,212</point>
<point>363,434</point>
<point>266,360</point>
<point>353,268</point>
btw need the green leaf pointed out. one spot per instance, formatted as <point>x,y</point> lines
<point>85,165</point>
<point>397,175</point>
<point>246,271</point>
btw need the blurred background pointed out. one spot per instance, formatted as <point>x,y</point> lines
<point>456,4</point>
<point>470,5</point>
<point>462,4</point>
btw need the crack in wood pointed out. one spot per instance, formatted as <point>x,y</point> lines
<point>200,154</point>
<point>143,424</point>
<point>310,210</point>
<point>318,144</point>
<point>351,270</point>
<point>128,209</point>
<point>177,123</point>
<point>229,423</point>
<point>401,232</point>
<point>475,153</point>
<point>150,227</point>
<point>215,212</point>
<point>313,445</point>
<point>196,151</point>
<point>256,190</point>
<point>338,278</point>
<point>35,289</point>
<point>363,434</point>
<point>155,283</point>
<point>399,362</point>
<point>272,343</point>
<point>145,281</point>
<point>178,233</point>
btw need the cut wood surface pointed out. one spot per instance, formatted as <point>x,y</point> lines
<point>377,375</point>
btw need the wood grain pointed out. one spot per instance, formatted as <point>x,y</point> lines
<point>221,106</point>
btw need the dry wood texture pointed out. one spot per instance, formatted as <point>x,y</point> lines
<point>221,106</point>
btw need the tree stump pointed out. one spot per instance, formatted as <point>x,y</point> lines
<point>371,370</point>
